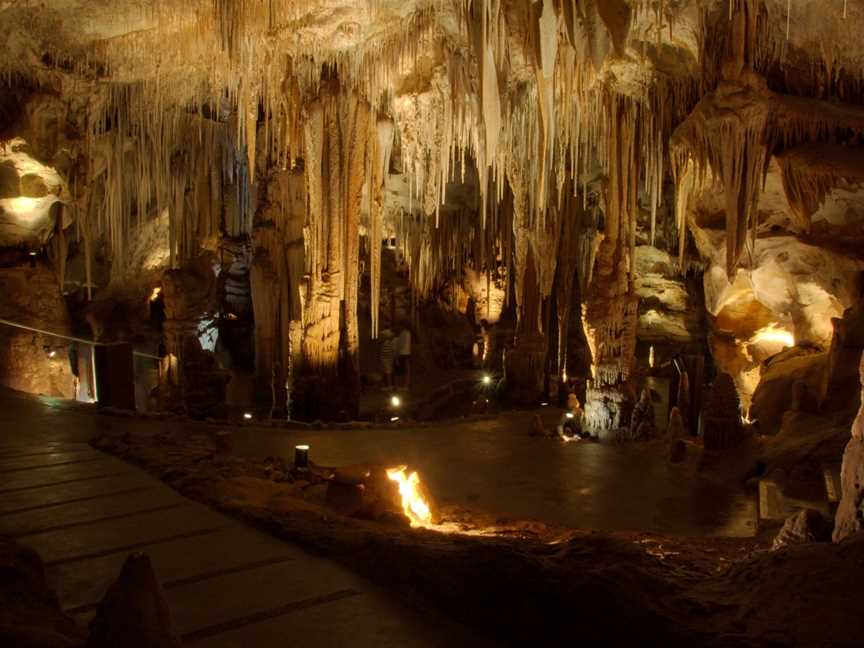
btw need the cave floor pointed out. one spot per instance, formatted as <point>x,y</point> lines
<point>493,465</point>
<point>226,584</point>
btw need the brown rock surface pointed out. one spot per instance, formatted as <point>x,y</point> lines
<point>850,513</point>
<point>775,393</point>
<point>134,612</point>
<point>30,615</point>
<point>32,362</point>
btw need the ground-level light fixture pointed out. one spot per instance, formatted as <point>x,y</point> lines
<point>247,416</point>
<point>487,379</point>
<point>301,456</point>
<point>569,415</point>
<point>395,401</point>
<point>393,419</point>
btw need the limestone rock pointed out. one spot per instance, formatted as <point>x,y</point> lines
<point>775,394</point>
<point>721,417</point>
<point>30,615</point>
<point>31,362</point>
<point>677,451</point>
<point>676,428</point>
<point>802,528</point>
<point>364,491</point>
<point>134,613</point>
<point>850,513</point>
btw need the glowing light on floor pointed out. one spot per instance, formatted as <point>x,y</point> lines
<point>414,504</point>
<point>395,401</point>
<point>487,379</point>
<point>393,419</point>
<point>247,416</point>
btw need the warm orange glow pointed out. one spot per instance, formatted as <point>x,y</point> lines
<point>413,504</point>
<point>773,334</point>
<point>155,294</point>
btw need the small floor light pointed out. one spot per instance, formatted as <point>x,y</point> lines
<point>393,419</point>
<point>395,401</point>
<point>487,379</point>
<point>247,416</point>
<point>301,456</point>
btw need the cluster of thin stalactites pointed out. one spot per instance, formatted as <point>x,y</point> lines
<point>188,128</point>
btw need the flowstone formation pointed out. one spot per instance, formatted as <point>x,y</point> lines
<point>620,184</point>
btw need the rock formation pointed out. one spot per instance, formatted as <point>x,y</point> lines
<point>577,168</point>
<point>850,513</point>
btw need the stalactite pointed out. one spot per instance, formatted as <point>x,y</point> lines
<point>381,144</point>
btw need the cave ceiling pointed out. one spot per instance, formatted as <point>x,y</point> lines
<point>735,104</point>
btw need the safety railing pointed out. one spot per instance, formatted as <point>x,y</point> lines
<point>86,384</point>
<point>70,338</point>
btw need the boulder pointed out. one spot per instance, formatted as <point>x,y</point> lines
<point>364,491</point>
<point>804,527</point>
<point>791,380</point>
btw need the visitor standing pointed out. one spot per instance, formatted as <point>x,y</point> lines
<point>403,349</point>
<point>386,357</point>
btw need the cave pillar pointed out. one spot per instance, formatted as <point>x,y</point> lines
<point>526,361</point>
<point>267,285</point>
<point>525,364</point>
<point>276,275</point>
<point>355,169</point>
<point>336,137</point>
<point>189,381</point>
<point>609,315</point>
<point>610,307</point>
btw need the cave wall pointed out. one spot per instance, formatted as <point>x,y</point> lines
<point>532,142</point>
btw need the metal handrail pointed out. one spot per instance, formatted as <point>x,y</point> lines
<point>71,338</point>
